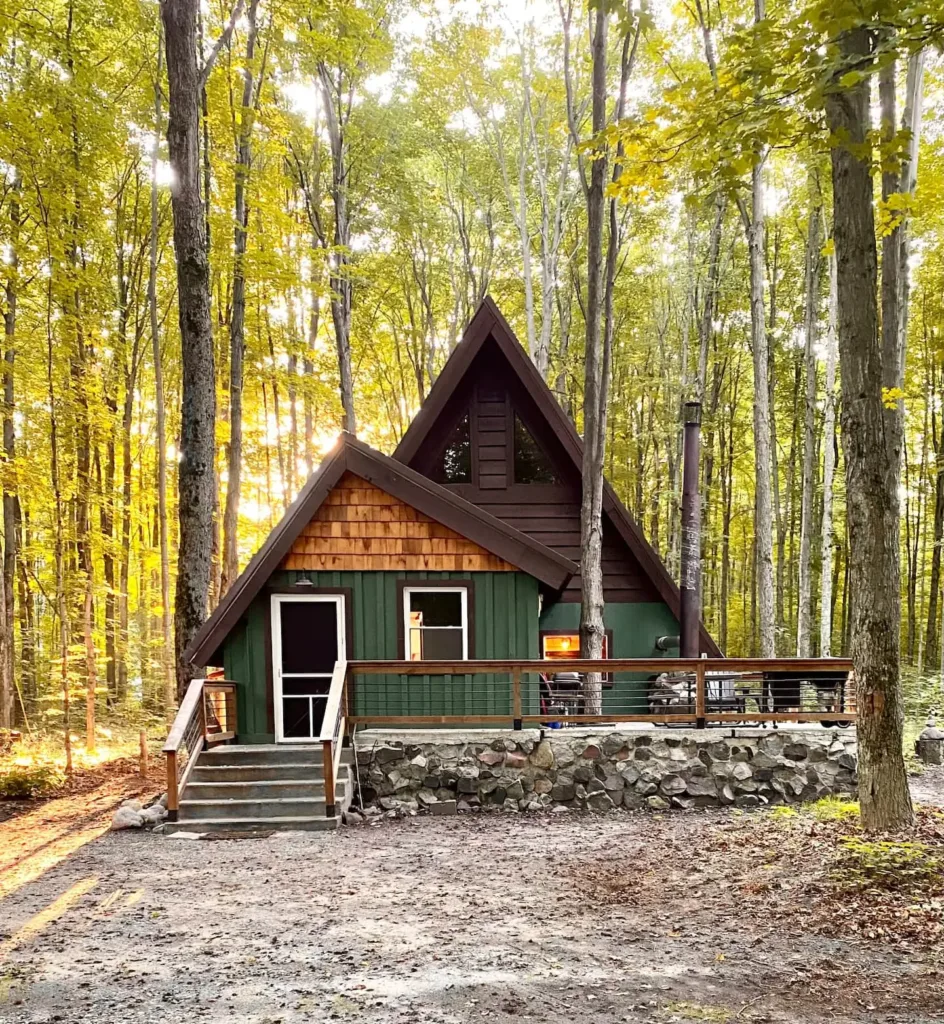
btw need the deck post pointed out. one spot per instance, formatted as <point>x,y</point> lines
<point>700,694</point>
<point>173,801</point>
<point>516,698</point>
<point>327,750</point>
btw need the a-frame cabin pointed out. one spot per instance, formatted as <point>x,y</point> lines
<point>491,431</point>
<point>464,545</point>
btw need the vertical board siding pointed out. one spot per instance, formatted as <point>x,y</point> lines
<point>505,625</point>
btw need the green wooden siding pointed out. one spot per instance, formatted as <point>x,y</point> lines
<point>504,625</point>
<point>635,627</point>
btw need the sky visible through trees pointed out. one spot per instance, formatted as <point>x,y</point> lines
<point>369,172</point>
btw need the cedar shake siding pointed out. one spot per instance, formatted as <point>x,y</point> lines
<point>361,527</point>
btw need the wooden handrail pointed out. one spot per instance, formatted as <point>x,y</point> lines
<point>192,712</point>
<point>185,712</point>
<point>711,665</point>
<point>332,734</point>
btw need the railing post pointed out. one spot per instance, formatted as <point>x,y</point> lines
<point>700,695</point>
<point>516,698</point>
<point>173,802</point>
<point>327,750</point>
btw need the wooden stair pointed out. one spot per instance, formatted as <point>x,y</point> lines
<point>256,787</point>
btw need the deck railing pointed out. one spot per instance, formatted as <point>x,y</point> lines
<point>677,691</point>
<point>332,734</point>
<point>206,715</point>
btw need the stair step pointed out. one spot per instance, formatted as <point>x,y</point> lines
<point>275,808</point>
<point>287,824</point>
<point>275,789</point>
<point>266,754</point>
<point>257,772</point>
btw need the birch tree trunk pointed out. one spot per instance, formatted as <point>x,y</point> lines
<point>805,597</point>
<point>198,407</point>
<point>871,460</point>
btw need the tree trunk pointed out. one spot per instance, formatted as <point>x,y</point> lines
<point>754,224</point>
<point>592,629</point>
<point>341,285</point>
<point>10,502</point>
<point>805,599</point>
<point>198,406</point>
<point>167,659</point>
<point>829,468</point>
<point>234,456</point>
<point>871,458</point>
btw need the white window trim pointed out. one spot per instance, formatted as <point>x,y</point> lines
<point>463,591</point>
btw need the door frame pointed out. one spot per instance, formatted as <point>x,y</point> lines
<point>339,599</point>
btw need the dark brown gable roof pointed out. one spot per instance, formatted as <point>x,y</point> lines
<point>488,322</point>
<point>402,482</point>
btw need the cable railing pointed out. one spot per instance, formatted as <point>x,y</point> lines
<point>207,714</point>
<point>661,691</point>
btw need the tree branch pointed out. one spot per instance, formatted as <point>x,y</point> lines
<point>224,39</point>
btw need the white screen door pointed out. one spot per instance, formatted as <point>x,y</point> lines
<point>307,639</point>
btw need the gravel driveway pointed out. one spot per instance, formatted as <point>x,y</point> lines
<point>431,920</point>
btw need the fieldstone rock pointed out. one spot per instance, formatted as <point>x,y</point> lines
<point>134,805</point>
<point>543,756</point>
<point>727,795</point>
<point>515,791</point>
<point>426,797</point>
<point>154,814</point>
<point>513,759</point>
<point>702,786</point>
<point>442,807</point>
<point>564,757</point>
<point>847,761</point>
<point>630,774</point>
<point>559,809</point>
<point>564,792</point>
<point>590,752</point>
<point>673,784</point>
<point>646,788</point>
<point>741,771</point>
<point>467,771</point>
<point>612,743</point>
<point>418,762</point>
<point>582,774</point>
<point>683,802</point>
<point>599,802</point>
<point>642,754</point>
<point>796,751</point>
<point>384,754</point>
<point>492,756</point>
<point>543,786</point>
<point>657,803</point>
<point>352,817</point>
<point>432,782</point>
<point>127,817</point>
<point>747,800</point>
<point>613,783</point>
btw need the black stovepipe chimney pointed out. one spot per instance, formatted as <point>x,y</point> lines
<point>690,569</point>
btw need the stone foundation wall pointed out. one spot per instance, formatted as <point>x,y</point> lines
<point>445,770</point>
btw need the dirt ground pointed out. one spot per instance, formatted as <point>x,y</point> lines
<point>564,918</point>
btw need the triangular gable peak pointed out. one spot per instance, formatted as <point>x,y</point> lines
<point>490,380</point>
<point>466,532</point>
<point>359,526</point>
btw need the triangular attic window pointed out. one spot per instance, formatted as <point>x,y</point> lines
<point>532,466</point>
<point>456,464</point>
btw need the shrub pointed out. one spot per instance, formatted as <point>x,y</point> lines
<point>21,781</point>
<point>889,865</point>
